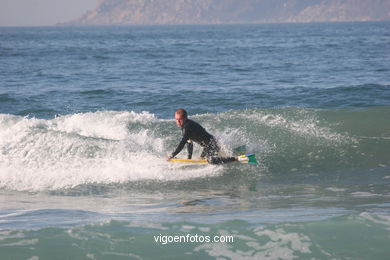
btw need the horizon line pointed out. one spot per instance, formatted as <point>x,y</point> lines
<point>186,24</point>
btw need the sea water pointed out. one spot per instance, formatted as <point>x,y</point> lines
<point>86,121</point>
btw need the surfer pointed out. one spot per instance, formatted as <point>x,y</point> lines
<point>194,132</point>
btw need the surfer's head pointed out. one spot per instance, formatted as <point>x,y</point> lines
<point>180,117</point>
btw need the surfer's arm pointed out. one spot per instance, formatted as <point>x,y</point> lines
<point>190,148</point>
<point>180,146</point>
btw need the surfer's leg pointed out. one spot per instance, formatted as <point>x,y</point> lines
<point>221,160</point>
<point>203,154</point>
<point>212,149</point>
<point>211,153</point>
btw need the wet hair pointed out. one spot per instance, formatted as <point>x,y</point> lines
<point>182,112</point>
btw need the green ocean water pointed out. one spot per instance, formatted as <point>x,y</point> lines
<point>86,120</point>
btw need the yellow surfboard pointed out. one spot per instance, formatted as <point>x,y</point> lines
<point>247,158</point>
<point>189,160</point>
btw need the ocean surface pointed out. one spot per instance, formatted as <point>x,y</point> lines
<point>86,121</point>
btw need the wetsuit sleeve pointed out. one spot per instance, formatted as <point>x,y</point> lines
<point>181,144</point>
<point>190,148</point>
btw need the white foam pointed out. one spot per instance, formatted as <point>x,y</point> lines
<point>301,122</point>
<point>364,194</point>
<point>67,151</point>
<point>23,242</point>
<point>280,245</point>
<point>377,218</point>
<point>334,189</point>
<point>231,138</point>
<point>106,124</point>
<point>308,125</point>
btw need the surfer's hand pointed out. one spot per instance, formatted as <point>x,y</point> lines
<point>169,158</point>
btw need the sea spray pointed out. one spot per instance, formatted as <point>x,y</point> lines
<point>119,147</point>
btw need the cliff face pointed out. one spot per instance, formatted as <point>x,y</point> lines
<point>110,12</point>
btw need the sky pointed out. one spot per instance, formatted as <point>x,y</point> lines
<point>42,12</point>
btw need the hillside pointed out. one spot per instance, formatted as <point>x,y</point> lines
<point>113,12</point>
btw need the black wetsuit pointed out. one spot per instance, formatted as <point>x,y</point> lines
<point>192,131</point>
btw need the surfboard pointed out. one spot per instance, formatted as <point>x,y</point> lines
<point>188,160</point>
<point>246,158</point>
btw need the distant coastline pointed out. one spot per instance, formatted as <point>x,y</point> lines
<point>210,12</point>
<point>58,25</point>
